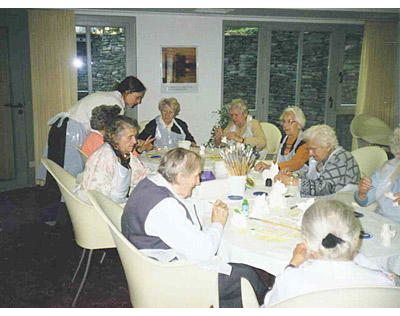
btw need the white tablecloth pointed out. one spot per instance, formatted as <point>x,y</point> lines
<point>270,247</point>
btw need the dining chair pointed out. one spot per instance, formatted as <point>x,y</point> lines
<point>349,297</point>
<point>142,125</point>
<point>249,298</point>
<point>369,130</point>
<point>369,159</point>
<point>84,157</point>
<point>90,231</point>
<point>153,283</point>
<point>273,136</point>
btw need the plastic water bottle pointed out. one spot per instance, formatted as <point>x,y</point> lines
<point>245,208</point>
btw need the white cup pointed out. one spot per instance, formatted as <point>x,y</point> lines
<point>220,170</point>
<point>184,144</point>
<point>237,185</point>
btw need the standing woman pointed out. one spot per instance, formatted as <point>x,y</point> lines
<point>69,129</point>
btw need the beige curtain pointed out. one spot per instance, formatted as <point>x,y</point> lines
<point>54,79</point>
<point>375,95</point>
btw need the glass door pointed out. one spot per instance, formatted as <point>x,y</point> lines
<point>312,66</point>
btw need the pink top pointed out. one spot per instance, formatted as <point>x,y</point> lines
<point>93,141</point>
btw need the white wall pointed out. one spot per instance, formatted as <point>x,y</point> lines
<point>204,32</point>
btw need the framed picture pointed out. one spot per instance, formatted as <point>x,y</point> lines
<point>179,69</point>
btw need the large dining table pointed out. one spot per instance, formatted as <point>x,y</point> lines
<point>269,244</point>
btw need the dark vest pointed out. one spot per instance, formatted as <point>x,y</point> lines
<point>144,197</point>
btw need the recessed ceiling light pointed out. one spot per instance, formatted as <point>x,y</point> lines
<point>214,10</point>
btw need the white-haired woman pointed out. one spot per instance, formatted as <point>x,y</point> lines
<point>384,180</point>
<point>166,129</point>
<point>330,242</point>
<point>292,152</point>
<point>242,128</point>
<point>331,168</point>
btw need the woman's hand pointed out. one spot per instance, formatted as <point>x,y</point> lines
<point>261,166</point>
<point>397,196</point>
<point>286,178</point>
<point>234,136</point>
<point>146,145</point>
<point>300,254</point>
<point>217,136</point>
<point>194,145</point>
<point>363,187</point>
<point>219,213</point>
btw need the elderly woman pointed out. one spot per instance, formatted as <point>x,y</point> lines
<point>161,221</point>
<point>384,182</point>
<point>242,128</point>
<point>112,168</point>
<point>166,129</point>
<point>101,117</point>
<point>330,242</point>
<point>292,152</point>
<point>331,168</point>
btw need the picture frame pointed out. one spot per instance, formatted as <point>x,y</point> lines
<point>179,69</point>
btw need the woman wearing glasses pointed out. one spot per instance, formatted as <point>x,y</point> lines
<point>292,153</point>
<point>166,129</point>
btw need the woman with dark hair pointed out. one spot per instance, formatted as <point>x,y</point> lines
<point>69,129</point>
<point>112,169</point>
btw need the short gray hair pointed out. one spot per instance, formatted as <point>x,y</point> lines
<point>102,116</point>
<point>331,217</point>
<point>172,103</point>
<point>322,135</point>
<point>237,104</point>
<point>298,115</point>
<point>178,160</point>
<point>117,127</point>
<point>395,142</point>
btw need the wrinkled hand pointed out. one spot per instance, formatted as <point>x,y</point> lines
<point>194,145</point>
<point>397,196</point>
<point>261,166</point>
<point>234,136</point>
<point>146,145</point>
<point>218,132</point>
<point>219,213</point>
<point>286,178</point>
<point>300,254</point>
<point>363,187</point>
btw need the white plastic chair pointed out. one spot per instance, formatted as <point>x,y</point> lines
<point>273,136</point>
<point>249,298</point>
<point>350,297</point>
<point>84,157</point>
<point>369,159</point>
<point>370,130</point>
<point>142,125</point>
<point>90,231</point>
<point>152,283</point>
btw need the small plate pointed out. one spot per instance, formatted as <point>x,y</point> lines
<point>259,193</point>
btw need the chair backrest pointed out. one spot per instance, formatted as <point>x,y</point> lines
<point>369,159</point>
<point>249,298</point>
<point>273,136</point>
<point>155,284</point>
<point>90,231</point>
<point>368,129</point>
<point>84,157</point>
<point>357,297</point>
<point>142,125</point>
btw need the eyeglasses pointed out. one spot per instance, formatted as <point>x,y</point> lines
<point>167,112</point>
<point>289,122</point>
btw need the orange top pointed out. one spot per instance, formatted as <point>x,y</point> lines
<point>298,160</point>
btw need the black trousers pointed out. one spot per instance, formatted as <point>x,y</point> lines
<point>230,294</point>
<point>56,152</point>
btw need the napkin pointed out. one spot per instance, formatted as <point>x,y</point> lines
<point>271,172</point>
<point>238,220</point>
<point>260,207</point>
<point>276,197</point>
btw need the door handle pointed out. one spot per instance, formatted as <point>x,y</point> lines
<point>330,102</point>
<point>19,105</point>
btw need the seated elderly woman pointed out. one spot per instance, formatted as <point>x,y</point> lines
<point>330,234</point>
<point>384,185</point>
<point>101,116</point>
<point>331,168</point>
<point>166,129</point>
<point>112,169</point>
<point>242,128</point>
<point>161,220</point>
<point>292,152</point>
